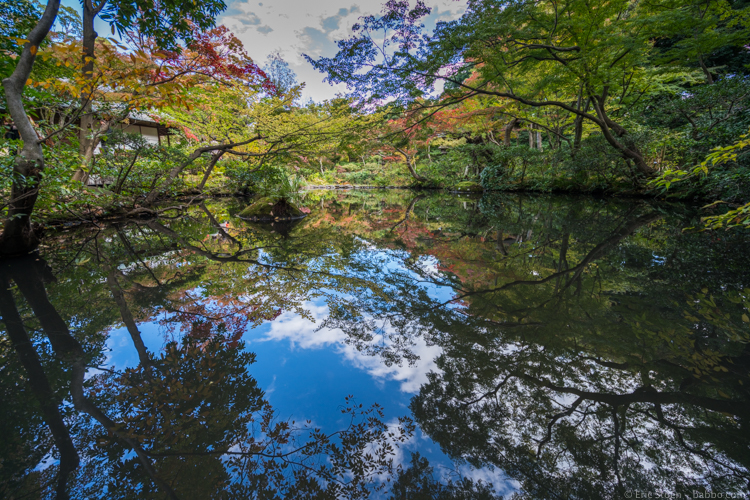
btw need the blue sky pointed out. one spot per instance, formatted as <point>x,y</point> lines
<point>296,27</point>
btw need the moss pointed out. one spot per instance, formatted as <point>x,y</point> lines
<point>268,208</point>
<point>468,186</point>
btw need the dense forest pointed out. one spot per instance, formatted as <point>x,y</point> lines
<point>646,98</point>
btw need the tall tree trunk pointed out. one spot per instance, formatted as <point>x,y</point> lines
<point>539,140</point>
<point>85,139</point>
<point>18,236</point>
<point>508,130</point>
<point>531,136</point>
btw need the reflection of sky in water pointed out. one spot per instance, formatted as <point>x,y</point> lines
<point>307,372</point>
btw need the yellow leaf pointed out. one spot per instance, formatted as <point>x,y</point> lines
<point>28,82</point>
<point>745,318</point>
<point>32,49</point>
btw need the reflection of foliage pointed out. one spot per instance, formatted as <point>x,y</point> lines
<point>588,346</point>
<point>201,416</point>
<point>417,483</point>
<point>227,318</point>
<point>567,362</point>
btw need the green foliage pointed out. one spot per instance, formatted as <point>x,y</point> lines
<point>266,180</point>
<point>417,482</point>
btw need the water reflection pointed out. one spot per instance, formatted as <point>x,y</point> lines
<point>583,348</point>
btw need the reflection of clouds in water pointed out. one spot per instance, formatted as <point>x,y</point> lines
<point>429,265</point>
<point>445,471</point>
<point>401,451</point>
<point>502,484</point>
<point>300,332</point>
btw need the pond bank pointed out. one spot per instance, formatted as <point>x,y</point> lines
<point>169,207</point>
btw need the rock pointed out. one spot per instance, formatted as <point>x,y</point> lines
<point>268,208</point>
<point>468,186</point>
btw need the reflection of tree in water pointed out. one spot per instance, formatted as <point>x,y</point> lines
<point>575,357</point>
<point>190,422</point>
<point>583,354</point>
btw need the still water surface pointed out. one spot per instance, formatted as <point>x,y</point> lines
<point>390,345</point>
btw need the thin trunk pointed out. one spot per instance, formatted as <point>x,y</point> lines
<point>121,181</point>
<point>578,123</point>
<point>508,130</point>
<point>214,158</point>
<point>409,210</point>
<point>218,226</point>
<point>127,316</point>
<point>85,149</point>
<point>500,244</point>
<point>87,161</point>
<point>18,236</point>
<point>151,197</point>
<point>539,140</point>
<point>709,76</point>
<point>410,165</point>
<point>177,170</point>
<point>531,137</point>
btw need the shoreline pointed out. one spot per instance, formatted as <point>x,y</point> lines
<point>183,201</point>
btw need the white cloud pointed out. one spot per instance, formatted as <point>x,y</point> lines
<point>296,27</point>
<point>301,333</point>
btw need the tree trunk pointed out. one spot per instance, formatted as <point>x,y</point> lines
<point>214,158</point>
<point>628,152</point>
<point>508,130</point>
<point>18,236</point>
<point>578,124</point>
<point>87,160</point>
<point>85,148</point>
<point>706,71</point>
<point>410,165</point>
<point>121,180</point>
<point>531,136</point>
<point>577,134</point>
<point>539,140</point>
<point>151,197</point>
<point>127,316</point>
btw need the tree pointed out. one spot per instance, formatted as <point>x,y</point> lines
<point>166,23</point>
<point>589,61</point>
<point>279,73</point>
<point>18,236</point>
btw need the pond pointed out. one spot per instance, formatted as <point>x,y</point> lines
<point>392,344</point>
